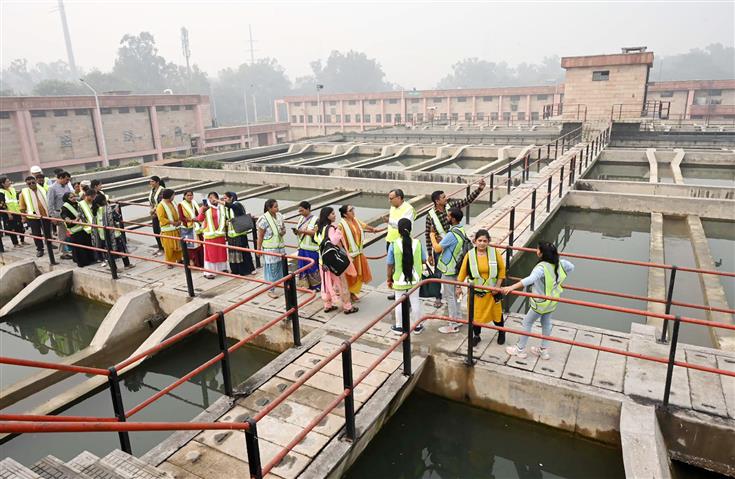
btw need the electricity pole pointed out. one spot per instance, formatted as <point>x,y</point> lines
<point>185,49</point>
<point>67,39</point>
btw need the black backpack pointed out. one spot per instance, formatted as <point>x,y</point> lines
<point>334,258</point>
<point>466,246</point>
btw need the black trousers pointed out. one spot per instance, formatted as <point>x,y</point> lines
<point>120,247</point>
<point>13,223</point>
<point>35,226</point>
<point>157,230</point>
<point>476,330</point>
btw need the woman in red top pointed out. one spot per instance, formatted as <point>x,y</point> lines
<point>212,217</point>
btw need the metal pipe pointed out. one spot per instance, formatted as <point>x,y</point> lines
<point>117,406</point>
<point>348,383</point>
<point>222,341</point>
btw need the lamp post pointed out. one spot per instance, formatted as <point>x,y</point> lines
<point>247,117</point>
<point>105,160</point>
<point>320,116</point>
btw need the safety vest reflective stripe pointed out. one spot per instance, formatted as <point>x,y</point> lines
<point>169,216</point>
<point>276,240</point>
<point>450,268</point>
<point>190,209</point>
<point>209,230</point>
<point>438,226</point>
<point>395,215</point>
<point>11,199</point>
<point>552,288</point>
<point>399,281</point>
<point>307,242</point>
<point>154,194</point>
<point>72,228</point>
<point>230,230</point>
<point>88,217</point>
<point>492,260</point>
<point>101,222</point>
<point>30,209</point>
<point>355,248</point>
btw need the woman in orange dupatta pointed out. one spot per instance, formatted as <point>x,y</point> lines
<point>353,231</point>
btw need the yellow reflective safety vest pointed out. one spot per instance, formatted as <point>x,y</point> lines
<point>306,242</point>
<point>11,199</point>
<point>395,215</point>
<point>354,246</point>
<point>552,288</point>
<point>451,267</point>
<point>72,228</point>
<point>27,197</point>
<point>101,222</point>
<point>154,194</point>
<point>492,259</point>
<point>191,210</point>
<point>438,226</point>
<point>230,230</point>
<point>88,217</point>
<point>210,231</point>
<point>167,208</point>
<point>400,282</point>
<point>276,239</point>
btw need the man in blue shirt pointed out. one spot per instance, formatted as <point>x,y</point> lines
<point>449,250</point>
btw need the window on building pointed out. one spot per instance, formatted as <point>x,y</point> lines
<point>393,101</point>
<point>601,75</point>
<point>352,102</point>
<point>332,103</point>
<point>506,115</point>
<point>293,118</point>
<point>367,118</point>
<point>38,113</point>
<point>468,116</point>
<point>314,103</point>
<point>140,109</point>
<point>534,115</point>
<point>338,118</point>
<point>125,109</point>
<point>327,118</point>
<point>387,117</point>
<point>409,116</point>
<point>542,97</point>
<point>348,119</point>
<point>494,116</point>
<point>158,108</point>
<point>455,116</point>
<point>357,118</point>
<point>461,99</point>
<point>189,107</point>
<point>4,115</point>
<point>715,93</point>
<point>310,119</point>
<point>81,112</point>
<point>521,115</point>
<point>301,118</point>
<point>514,98</point>
<point>487,98</point>
<point>513,107</point>
<point>373,102</point>
<point>60,113</point>
<point>419,117</point>
<point>443,116</point>
<point>398,117</point>
<point>378,118</point>
<point>667,94</point>
<point>173,108</point>
<point>437,100</point>
<point>296,103</point>
<point>106,111</point>
<point>480,115</point>
<point>415,100</point>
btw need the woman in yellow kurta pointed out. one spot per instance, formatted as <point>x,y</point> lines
<point>353,236</point>
<point>476,267</point>
<point>168,216</point>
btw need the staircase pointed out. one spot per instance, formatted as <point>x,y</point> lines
<point>115,465</point>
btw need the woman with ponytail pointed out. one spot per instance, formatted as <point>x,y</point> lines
<point>406,257</point>
<point>546,279</point>
<point>333,286</point>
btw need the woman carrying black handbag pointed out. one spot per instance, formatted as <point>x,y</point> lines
<point>241,262</point>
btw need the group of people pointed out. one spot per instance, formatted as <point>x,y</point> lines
<point>207,227</point>
<point>67,204</point>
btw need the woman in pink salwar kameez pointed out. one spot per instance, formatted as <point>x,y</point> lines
<point>333,287</point>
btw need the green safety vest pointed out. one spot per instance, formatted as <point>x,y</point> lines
<point>475,275</point>
<point>72,228</point>
<point>437,222</point>
<point>552,288</point>
<point>306,242</point>
<point>231,231</point>
<point>169,215</point>
<point>26,192</point>
<point>276,240</point>
<point>450,268</point>
<point>153,196</point>
<point>11,199</point>
<point>45,186</point>
<point>191,210</point>
<point>399,281</point>
<point>101,222</point>
<point>88,217</point>
<point>395,215</point>
<point>355,247</point>
<point>209,231</point>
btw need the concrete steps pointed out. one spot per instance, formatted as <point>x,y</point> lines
<point>115,465</point>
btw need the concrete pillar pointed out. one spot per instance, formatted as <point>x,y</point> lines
<point>199,122</point>
<point>155,132</point>
<point>274,138</point>
<point>275,111</point>
<point>306,118</point>
<point>474,108</point>
<point>690,102</point>
<point>362,114</point>
<point>382,111</point>
<point>97,120</point>
<point>288,112</point>
<point>342,115</point>
<point>243,142</point>
<point>449,107</point>
<point>23,139</point>
<point>426,108</point>
<point>528,107</point>
<point>500,107</point>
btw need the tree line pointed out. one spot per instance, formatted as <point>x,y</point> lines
<point>139,68</point>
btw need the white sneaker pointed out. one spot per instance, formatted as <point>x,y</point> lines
<point>449,329</point>
<point>543,353</point>
<point>514,351</point>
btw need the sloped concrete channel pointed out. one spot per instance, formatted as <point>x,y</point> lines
<point>596,395</point>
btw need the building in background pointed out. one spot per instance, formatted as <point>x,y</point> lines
<point>66,131</point>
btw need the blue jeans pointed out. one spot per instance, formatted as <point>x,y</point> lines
<point>531,317</point>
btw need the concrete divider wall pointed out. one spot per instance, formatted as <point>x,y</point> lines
<point>658,189</point>
<point>45,287</point>
<point>127,317</point>
<point>14,277</point>
<point>644,450</point>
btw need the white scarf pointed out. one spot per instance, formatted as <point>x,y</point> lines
<point>37,196</point>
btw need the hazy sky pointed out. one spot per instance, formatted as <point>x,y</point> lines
<point>416,42</point>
